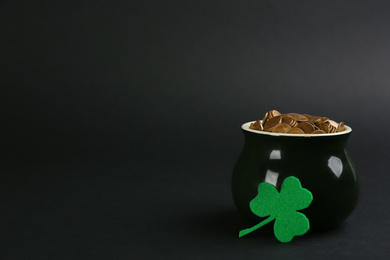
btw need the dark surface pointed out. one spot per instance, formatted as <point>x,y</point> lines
<point>121,122</point>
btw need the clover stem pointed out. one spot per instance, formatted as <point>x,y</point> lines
<point>249,230</point>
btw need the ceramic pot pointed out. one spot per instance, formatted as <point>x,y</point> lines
<point>321,162</point>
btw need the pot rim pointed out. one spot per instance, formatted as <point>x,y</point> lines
<point>246,125</point>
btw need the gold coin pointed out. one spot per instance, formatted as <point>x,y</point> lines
<point>272,122</point>
<point>256,126</point>
<point>269,115</point>
<point>324,127</point>
<point>341,127</point>
<point>311,123</point>
<point>316,132</point>
<point>265,118</point>
<point>333,123</point>
<point>295,130</point>
<point>315,126</point>
<point>274,113</point>
<point>289,120</point>
<point>281,128</point>
<point>313,119</point>
<point>324,119</point>
<point>295,123</point>
<point>306,127</point>
<point>283,116</point>
<point>298,117</point>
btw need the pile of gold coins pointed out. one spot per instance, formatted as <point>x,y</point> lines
<point>293,123</point>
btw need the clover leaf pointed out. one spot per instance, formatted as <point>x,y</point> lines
<point>282,207</point>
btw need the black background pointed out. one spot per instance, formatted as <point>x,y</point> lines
<point>121,122</point>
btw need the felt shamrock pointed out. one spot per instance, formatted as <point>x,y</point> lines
<point>283,208</point>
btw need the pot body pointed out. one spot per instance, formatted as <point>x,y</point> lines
<point>322,164</point>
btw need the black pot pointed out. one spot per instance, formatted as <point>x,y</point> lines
<point>321,162</point>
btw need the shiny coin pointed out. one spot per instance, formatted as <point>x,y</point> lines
<point>265,118</point>
<point>316,127</point>
<point>295,123</point>
<point>341,127</point>
<point>316,132</point>
<point>270,123</point>
<point>311,123</point>
<point>289,120</point>
<point>324,127</point>
<point>256,126</point>
<point>298,117</point>
<point>274,113</point>
<point>333,123</point>
<point>295,130</point>
<point>324,119</point>
<point>281,128</point>
<point>313,119</point>
<point>306,127</point>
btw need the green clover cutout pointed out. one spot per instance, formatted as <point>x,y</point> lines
<point>283,208</point>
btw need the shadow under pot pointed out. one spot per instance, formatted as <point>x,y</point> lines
<point>321,162</point>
